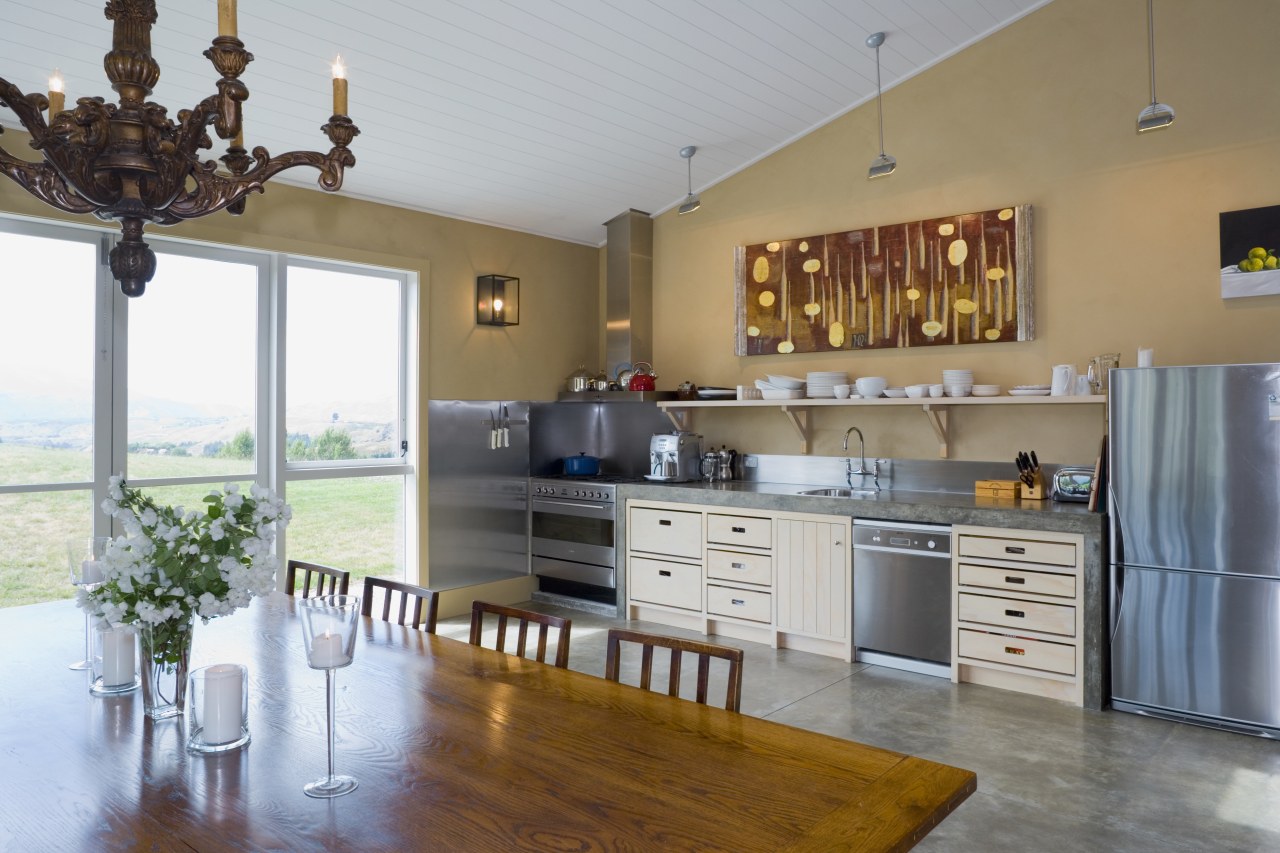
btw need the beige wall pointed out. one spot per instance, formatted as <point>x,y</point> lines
<point>1043,112</point>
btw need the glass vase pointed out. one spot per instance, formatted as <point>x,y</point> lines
<point>166,654</point>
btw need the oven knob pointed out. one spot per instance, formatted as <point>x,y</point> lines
<point>577,494</point>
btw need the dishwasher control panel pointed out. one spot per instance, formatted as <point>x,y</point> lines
<point>926,538</point>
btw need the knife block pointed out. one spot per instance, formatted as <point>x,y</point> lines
<point>1034,492</point>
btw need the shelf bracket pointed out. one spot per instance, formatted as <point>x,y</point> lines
<point>799,418</point>
<point>937,416</point>
<point>682,419</point>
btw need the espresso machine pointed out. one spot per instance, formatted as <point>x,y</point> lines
<point>674,457</point>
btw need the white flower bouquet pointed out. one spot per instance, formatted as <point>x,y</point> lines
<point>173,564</point>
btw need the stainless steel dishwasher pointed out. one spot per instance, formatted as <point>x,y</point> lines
<point>902,595</point>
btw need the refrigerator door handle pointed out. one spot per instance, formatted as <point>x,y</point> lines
<point>1117,597</point>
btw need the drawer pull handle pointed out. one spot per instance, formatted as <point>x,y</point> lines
<point>664,522</point>
<point>664,573</point>
<point>1019,613</point>
<point>737,601</point>
<point>1008,579</point>
<point>1013,549</point>
<point>1014,650</point>
<point>739,529</point>
<point>738,565</point>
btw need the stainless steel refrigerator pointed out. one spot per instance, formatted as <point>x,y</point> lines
<point>1195,544</point>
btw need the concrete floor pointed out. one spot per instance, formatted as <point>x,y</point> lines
<point>1050,777</point>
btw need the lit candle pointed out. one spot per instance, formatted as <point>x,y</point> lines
<point>339,87</point>
<point>90,572</point>
<point>57,94</point>
<point>118,665</point>
<point>327,652</point>
<point>227,18</point>
<point>223,703</point>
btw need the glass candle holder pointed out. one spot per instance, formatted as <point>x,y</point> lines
<point>84,559</point>
<point>329,640</point>
<point>218,708</point>
<point>113,661</point>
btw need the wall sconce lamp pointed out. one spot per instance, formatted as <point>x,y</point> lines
<point>497,300</point>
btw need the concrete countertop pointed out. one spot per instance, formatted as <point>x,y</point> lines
<point>888,505</point>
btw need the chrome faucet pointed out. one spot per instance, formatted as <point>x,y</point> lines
<point>862,460</point>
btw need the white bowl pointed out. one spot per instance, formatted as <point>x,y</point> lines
<point>788,382</point>
<point>917,391</point>
<point>958,390</point>
<point>986,390</point>
<point>781,393</point>
<point>871,386</point>
<point>842,391</point>
<point>897,393</point>
<point>935,390</point>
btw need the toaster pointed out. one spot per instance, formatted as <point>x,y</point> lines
<point>1072,484</point>
<point>674,457</point>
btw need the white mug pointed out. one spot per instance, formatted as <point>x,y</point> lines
<point>1064,380</point>
<point>1083,388</point>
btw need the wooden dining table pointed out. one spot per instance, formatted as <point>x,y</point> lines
<point>455,747</point>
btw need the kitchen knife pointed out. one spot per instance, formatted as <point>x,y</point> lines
<point>1035,463</point>
<point>506,427</point>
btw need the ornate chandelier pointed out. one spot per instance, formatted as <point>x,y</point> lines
<point>130,163</point>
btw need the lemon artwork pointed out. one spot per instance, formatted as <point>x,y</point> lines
<point>1259,259</point>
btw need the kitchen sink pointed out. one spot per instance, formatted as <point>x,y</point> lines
<point>838,493</point>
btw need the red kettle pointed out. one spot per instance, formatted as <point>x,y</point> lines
<point>643,378</point>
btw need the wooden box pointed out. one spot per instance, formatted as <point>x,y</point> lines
<point>997,488</point>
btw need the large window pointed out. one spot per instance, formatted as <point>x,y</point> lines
<point>234,366</point>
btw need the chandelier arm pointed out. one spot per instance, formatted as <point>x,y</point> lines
<point>43,181</point>
<point>214,191</point>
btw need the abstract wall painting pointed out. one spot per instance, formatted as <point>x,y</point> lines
<point>1249,252</point>
<point>962,279</point>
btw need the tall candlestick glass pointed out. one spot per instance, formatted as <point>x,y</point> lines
<point>84,557</point>
<point>329,639</point>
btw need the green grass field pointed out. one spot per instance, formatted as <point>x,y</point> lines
<point>354,523</point>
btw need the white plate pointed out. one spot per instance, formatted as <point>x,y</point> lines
<point>788,382</point>
<point>1029,392</point>
<point>1032,387</point>
<point>781,393</point>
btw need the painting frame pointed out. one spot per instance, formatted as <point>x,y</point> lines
<point>888,287</point>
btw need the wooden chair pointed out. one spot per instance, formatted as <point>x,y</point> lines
<point>338,579</point>
<point>704,651</point>
<point>524,617</point>
<point>423,600</point>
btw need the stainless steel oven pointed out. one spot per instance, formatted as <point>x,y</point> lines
<point>572,530</point>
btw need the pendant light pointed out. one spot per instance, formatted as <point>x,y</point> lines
<point>691,201</point>
<point>1157,115</point>
<point>885,163</point>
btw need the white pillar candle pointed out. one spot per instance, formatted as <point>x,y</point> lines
<point>327,651</point>
<point>223,703</point>
<point>118,664</point>
<point>90,572</point>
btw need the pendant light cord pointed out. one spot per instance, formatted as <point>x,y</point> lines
<point>1151,47</point>
<point>688,161</point>
<point>880,99</point>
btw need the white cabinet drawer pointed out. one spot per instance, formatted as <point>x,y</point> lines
<point>662,582</point>
<point>1013,613</point>
<point>1018,580</point>
<point>1020,550</point>
<point>1017,651</point>
<point>740,603</point>
<point>665,531</point>
<point>740,530</point>
<point>742,568</point>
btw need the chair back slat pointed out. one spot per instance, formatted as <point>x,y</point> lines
<point>678,646</point>
<point>524,618</point>
<point>338,580</point>
<point>426,602</point>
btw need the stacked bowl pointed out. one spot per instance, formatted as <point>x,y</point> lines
<point>957,383</point>
<point>822,383</point>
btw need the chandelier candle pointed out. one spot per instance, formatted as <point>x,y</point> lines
<point>227,18</point>
<point>57,94</point>
<point>339,87</point>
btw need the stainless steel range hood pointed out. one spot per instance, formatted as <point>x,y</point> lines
<point>628,335</point>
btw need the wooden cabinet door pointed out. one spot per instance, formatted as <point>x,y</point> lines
<point>811,562</point>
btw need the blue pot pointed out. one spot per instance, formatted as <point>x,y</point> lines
<point>581,465</point>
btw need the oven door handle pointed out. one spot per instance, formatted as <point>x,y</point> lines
<point>582,510</point>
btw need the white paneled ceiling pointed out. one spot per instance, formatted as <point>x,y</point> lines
<point>546,116</point>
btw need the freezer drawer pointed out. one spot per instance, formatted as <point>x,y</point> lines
<point>1203,644</point>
